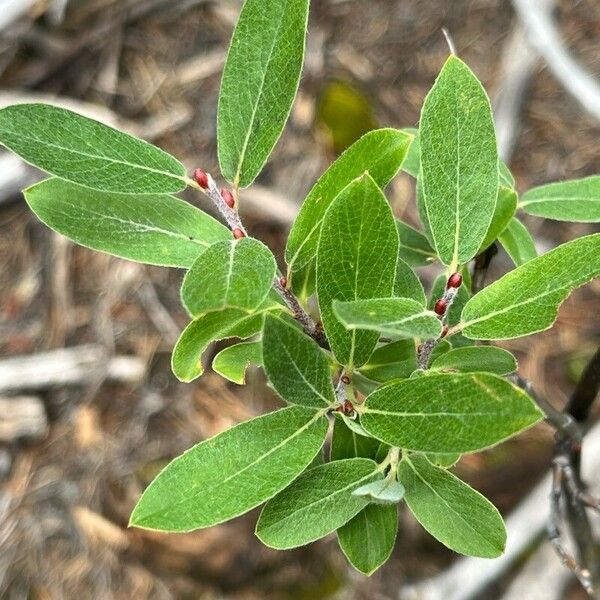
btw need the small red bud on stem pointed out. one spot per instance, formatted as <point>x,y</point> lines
<point>201,178</point>
<point>283,282</point>
<point>346,408</point>
<point>238,233</point>
<point>345,379</point>
<point>454,281</point>
<point>228,197</point>
<point>444,331</point>
<point>440,307</point>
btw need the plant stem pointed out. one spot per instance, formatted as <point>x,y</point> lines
<point>233,220</point>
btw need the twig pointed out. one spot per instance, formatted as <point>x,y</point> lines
<point>428,346</point>
<point>543,37</point>
<point>233,220</point>
<point>566,481</point>
<point>468,577</point>
<point>68,366</point>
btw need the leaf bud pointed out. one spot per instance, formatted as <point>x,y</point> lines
<point>201,178</point>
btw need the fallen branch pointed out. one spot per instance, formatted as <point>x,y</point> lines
<point>544,38</point>
<point>68,366</point>
<point>22,417</point>
<point>468,577</point>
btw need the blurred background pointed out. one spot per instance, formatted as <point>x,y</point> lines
<point>89,409</point>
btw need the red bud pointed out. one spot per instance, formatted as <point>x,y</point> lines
<point>454,281</point>
<point>440,307</point>
<point>228,197</point>
<point>201,178</point>
<point>238,233</point>
<point>444,331</point>
<point>283,282</point>
<point>345,379</point>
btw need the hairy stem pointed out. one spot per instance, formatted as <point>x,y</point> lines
<point>233,220</point>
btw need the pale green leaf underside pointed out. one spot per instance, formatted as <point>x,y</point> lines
<point>229,274</point>
<point>380,152</point>
<point>356,259</point>
<point>474,359</point>
<point>451,511</point>
<point>382,491</point>
<point>448,412</point>
<point>153,229</point>
<point>527,299</point>
<point>84,151</point>
<point>232,362</point>
<point>367,540</point>
<point>459,162</point>
<point>390,316</point>
<point>517,242</point>
<point>233,472</point>
<point>315,504</point>
<point>186,360</point>
<point>295,365</point>
<point>260,81</point>
<point>574,200</point>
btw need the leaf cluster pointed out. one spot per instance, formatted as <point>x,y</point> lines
<point>351,343</point>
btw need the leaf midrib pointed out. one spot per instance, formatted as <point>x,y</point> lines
<point>144,227</point>
<point>42,142</point>
<point>467,523</point>
<point>293,515</point>
<point>258,460</point>
<point>259,95</point>
<point>551,199</point>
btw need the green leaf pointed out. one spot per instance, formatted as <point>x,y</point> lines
<point>229,274</point>
<point>316,503</point>
<point>444,460</point>
<point>304,282</point>
<point>233,361</point>
<point>474,359</point>
<point>295,365</point>
<point>407,284</point>
<point>517,242</point>
<point>451,511</point>
<point>346,443</point>
<point>382,491</point>
<point>233,472</point>
<point>392,361</point>
<point>84,151</point>
<point>574,200</point>
<point>506,205</point>
<point>259,84</point>
<point>186,360</point>
<point>527,299</point>
<point>412,164</point>
<point>154,229</point>
<point>415,249</point>
<point>459,162</point>
<point>367,540</point>
<point>448,412</point>
<point>506,177</point>
<point>356,259</point>
<point>380,152</point>
<point>390,316</point>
